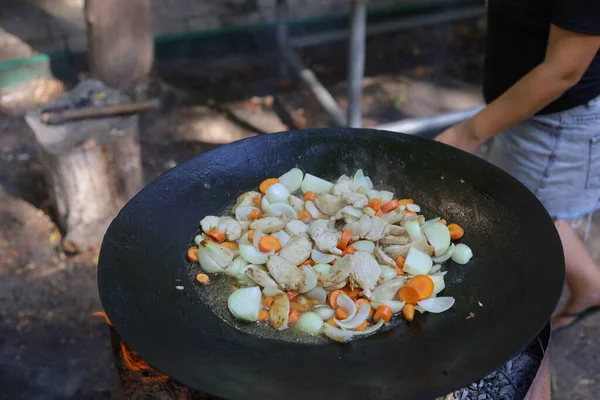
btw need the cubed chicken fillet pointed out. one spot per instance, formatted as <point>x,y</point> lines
<point>269,224</point>
<point>287,275</point>
<point>297,250</point>
<point>279,311</point>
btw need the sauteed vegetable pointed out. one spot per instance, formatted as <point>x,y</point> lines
<point>334,258</point>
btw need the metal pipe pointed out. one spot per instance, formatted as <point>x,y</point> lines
<point>281,12</point>
<point>318,90</point>
<point>382,27</point>
<point>414,126</point>
<point>356,61</point>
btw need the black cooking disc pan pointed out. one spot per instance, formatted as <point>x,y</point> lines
<point>511,286</point>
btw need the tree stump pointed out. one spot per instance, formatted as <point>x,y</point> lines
<point>92,167</point>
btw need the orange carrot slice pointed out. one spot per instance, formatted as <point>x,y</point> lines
<point>202,278</point>
<point>341,314</point>
<point>215,235</point>
<point>304,216</point>
<point>310,195</point>
<point>390,206</point>
<point>362,326</point>
<point>349,250</point>
<point>376,204</point>
<point>269,243</point>
<point>345,239</point>
<point>263,315</point>
<point>293,317</point>
<point>424,286</point>
<point>268,302</point>
<point>251,236</point>
<point>408,294</point>
<point>257,202</point>
<point>333,297</point>
<point>384,313</point>
<point>192,254</point>
<point>360,301</point>
<point>230,245</point>
<point>456,232</point>
<point>255,214</point>
<point>409,312</point>
<point>352,293</point>
<point>405,202</point>
<point>267,183</point>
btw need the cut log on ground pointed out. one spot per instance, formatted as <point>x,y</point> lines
<point>92,167</point>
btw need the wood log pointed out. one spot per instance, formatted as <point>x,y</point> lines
<point>120,42</point>
<point>92,168</point>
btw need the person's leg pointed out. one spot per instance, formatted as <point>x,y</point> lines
<point>582,275</point>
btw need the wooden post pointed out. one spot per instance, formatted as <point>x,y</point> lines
<point>92,166</point>
<point>120,44</point>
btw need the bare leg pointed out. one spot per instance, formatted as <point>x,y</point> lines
<point>582,274</point>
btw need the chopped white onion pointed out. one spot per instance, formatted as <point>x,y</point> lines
<point>258,234</point>
<point>265,204</point>
<point>296,227</point>
<point>208,264</point>
<point>237,267</point>
<point>277,193</point>
<point>317,294</point>
<point>370,330</point>
<point>361,316</point>
<point>312,183</point>
<point>413,208</point>
<point>242,213</point>
<point>438,283</point>
<point>282,236</point>
<point>244,240</point>
<point>435,269</point>
<point>279,209</point>
<point>369,183</point>
<point>310,323</point>
<point>359,180</point>
<point>269,291</point>
<point>364,245</point>
<point>325,312</point>
<point>394,305</point>
<point>347,304</point>
<point>373,194</point>
<point>310,279</point>
<point>198,239</point>
<point>429,222</point>
<point>385,196</point>
<point>245,303</point>
<point>337,334</point>
<point>437,305</point>
<point>462,254</point>
<point>292,179</point>
<point>420,309</point>
<point>438,236</point>
<point>387,272</point>
<point>352,211</point>
<point>446,256</point>
<point>321,258</point>
<point>253,256</point>
<point>312,209</point>
<point>414,230</point>
<point>322,268</point>
<point>417,262</point>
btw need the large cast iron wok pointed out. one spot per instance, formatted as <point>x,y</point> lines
<point>516,274</point>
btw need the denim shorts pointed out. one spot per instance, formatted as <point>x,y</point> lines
<point>557,156</point>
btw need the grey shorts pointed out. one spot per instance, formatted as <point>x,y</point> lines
<point>557,156</point>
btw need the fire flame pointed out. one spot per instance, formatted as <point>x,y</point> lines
<point>103,315</point>
<point>134,363</point>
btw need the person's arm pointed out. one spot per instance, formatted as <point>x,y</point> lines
<point>568,56</point>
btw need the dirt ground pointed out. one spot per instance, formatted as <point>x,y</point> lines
<point>50,345</point>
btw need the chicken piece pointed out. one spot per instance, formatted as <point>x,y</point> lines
<point>279,311</point>
<point>295,228</point>
<point>245,225</point>
<point>344,184</point>
<point>369,211</point>
<point>338,275</point>
<point>361,227</point>
<point>230,227</point>
<point>395,230</point>
<point>395,251</point>
<point>296,203</point>
<point>318,227</point>
<point>378,226</point>
<point>336,286</point>
<point>246,199</point>
<point>287,275</point>
<point>424,247</point>
<point>355,199</point>
<point>297,250</point>
<point>209,222</point>
<point>383,258</point>
<point>387,290</point>
<point>394,216</point>
<point>320,234</point>
<point>328,204</point>
<point>262,278</point>
<point>395,240</point>
<point>365,271</point>
<point>314,210</point>
<point>421,219</point>
<point>269,224</point>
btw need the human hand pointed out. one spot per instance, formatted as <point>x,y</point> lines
<point>462,136</point>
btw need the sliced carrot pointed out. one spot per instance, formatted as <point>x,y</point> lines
<point>300,307</point>
<point>400,271</point>
<point>251,236</point>
<point>410,213</point>
<point>360,301</point>
<point>349,250</point>
<point>341,313</point>
<point>362,326</point>
<point>405,202</point>
<point>293,317</point>
<point>379,213</point>
<point>263,315</point>
<point>304,216</point>
<point>390,206</point>
<point>456,232</point>
<point>310,195</point>
<point>443,221</point>
<point>409,312</point>
<point>230,245</point>
<point>352,293</point>
<point>192,254</point>
<point>202,278</point>
<point>255,214</point>
<point>215,235</point>
<point>376,204</point>
<point>267,183</point>
<point>332,322</point>
<point>269,243</point>
<point>408,294</point>
<point>345,239</point>
<point>268,302</point>
<point>384,313</point>
<point>424,286</point>
<point>333,297</point>
<point>291,294</point>
<point>257,202</point>
<point>400,260</point>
